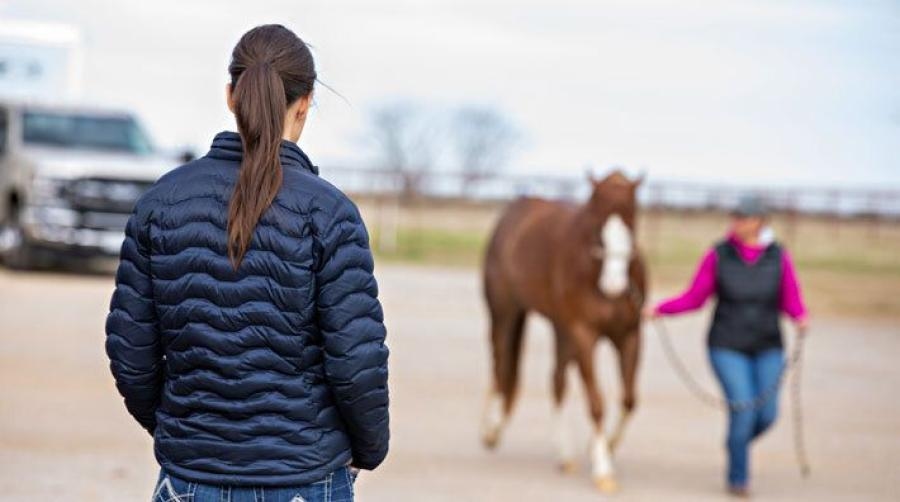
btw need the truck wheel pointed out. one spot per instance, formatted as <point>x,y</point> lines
<point>16,253</point>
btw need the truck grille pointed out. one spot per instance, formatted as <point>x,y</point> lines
<point>104,195</point>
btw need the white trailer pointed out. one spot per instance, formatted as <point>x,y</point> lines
<point>40,61</point>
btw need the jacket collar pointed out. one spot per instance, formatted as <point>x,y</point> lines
<point>227,146</point>
<point>749,253</point>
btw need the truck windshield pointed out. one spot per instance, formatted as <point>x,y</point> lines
<point>121,134</point>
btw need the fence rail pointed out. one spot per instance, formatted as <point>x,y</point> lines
<point>844,202</point>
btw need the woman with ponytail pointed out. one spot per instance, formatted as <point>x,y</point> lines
<point>245,332</point>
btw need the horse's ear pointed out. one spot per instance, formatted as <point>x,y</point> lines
<point>639,180</point>
<point>589,174</point>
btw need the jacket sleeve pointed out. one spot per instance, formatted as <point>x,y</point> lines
<point>792,302</point>
<point>132,339</point>
<point>353,333</point>
<point>702,287</point>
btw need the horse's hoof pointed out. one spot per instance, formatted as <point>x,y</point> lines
<point>490,440</point>
<point>568,466</point>
<point>606,484</point>
<point>613,444</point>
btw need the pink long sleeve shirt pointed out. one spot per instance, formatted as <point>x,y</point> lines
<point>704,284</point>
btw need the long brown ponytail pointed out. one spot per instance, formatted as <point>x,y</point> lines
<point>270,69</point>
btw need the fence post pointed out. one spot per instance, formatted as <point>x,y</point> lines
<point>388,223</point>
<point>791,213</point>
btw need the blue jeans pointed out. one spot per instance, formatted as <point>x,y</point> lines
<point>336,487</point>
<point>743,377</point>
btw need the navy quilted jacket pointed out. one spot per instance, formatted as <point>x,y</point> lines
<point>271,375</point>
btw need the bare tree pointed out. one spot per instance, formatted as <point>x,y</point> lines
<point>406,143</point>
<point>484,140</point>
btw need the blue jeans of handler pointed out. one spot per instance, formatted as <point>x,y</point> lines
<point>743,377</point>
<point>335,487</point>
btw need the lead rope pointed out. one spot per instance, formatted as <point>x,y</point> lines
<point>797,411</point>
<point>792,364</point>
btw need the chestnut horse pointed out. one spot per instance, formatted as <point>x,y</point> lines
<point>579,267</point>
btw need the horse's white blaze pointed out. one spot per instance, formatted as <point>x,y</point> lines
<point>617,249</point>
<point>601,458</point>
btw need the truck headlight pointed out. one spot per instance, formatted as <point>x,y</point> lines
<point>48,191</point>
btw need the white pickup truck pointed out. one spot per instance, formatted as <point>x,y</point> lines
<point>69,178</point>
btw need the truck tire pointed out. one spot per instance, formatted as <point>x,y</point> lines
<point>18,255</point>
<point>15,251</point>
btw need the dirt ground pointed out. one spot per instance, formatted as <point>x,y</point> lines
<point>64,433</point>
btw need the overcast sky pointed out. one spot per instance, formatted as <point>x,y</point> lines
<point>756,91</point>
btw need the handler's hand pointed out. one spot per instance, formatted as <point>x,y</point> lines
<point>650,312</point>
<point>802,325</point>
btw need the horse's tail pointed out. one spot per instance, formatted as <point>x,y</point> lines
<point>515,355</point>
<point>507,330</point>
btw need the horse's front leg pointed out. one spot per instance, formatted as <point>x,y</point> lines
<point>602,470</point>
<point>629,348</point>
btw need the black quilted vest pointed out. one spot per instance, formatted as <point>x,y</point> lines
<point>747,312</point>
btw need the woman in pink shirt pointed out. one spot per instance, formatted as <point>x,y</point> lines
<point>754,282</point>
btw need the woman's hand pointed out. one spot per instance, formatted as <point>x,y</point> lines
<point>802,325</point>
<point>354,471</point>
<point>649,312</point>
